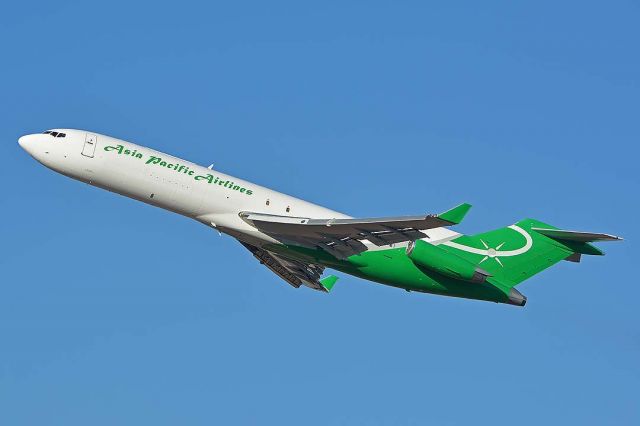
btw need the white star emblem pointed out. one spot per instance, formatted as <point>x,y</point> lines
<point>492,252</point>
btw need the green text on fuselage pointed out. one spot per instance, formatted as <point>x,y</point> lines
<point>178,168</point>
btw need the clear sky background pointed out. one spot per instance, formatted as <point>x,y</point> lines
<point>114,312</point>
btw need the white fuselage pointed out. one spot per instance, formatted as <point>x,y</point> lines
<point>208,196</point>
<point>162,180</point>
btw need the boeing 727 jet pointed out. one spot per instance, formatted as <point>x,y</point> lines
<point>297,240</point>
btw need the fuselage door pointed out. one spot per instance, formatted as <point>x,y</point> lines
<point>90,143</point>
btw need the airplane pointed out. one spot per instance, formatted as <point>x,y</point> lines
<point>297,240</point>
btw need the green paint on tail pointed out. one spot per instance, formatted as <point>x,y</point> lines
<point>499,245</point>
<point>328,282</point>
<point>456,214</point>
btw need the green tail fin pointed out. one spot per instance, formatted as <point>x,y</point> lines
<point>515,253</point>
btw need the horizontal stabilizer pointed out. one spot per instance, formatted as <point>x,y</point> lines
<point>577,241</point>
<point>577,236</point>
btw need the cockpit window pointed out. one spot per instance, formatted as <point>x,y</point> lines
<point>55,134</point>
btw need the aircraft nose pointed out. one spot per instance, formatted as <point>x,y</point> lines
<point>27,142</point>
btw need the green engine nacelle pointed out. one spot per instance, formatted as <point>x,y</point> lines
<point>441,261</point>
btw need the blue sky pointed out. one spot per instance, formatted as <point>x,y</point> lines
<point>114,312</point>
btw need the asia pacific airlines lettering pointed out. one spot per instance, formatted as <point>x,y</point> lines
<point>178,168</point>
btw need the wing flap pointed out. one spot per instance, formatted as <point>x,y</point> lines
<point>276,267</point>
<point>294,272</point>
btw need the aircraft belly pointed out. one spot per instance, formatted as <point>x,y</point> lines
<point>394,268</point>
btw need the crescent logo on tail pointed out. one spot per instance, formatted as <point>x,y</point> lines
<point>496,253</point>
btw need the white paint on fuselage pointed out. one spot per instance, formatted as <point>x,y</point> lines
<point>211,204</point>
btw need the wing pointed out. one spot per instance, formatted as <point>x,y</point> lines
<point>343,237</point>
<point>295,272</point>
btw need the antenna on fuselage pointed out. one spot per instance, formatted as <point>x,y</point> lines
<point>210,167</point>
